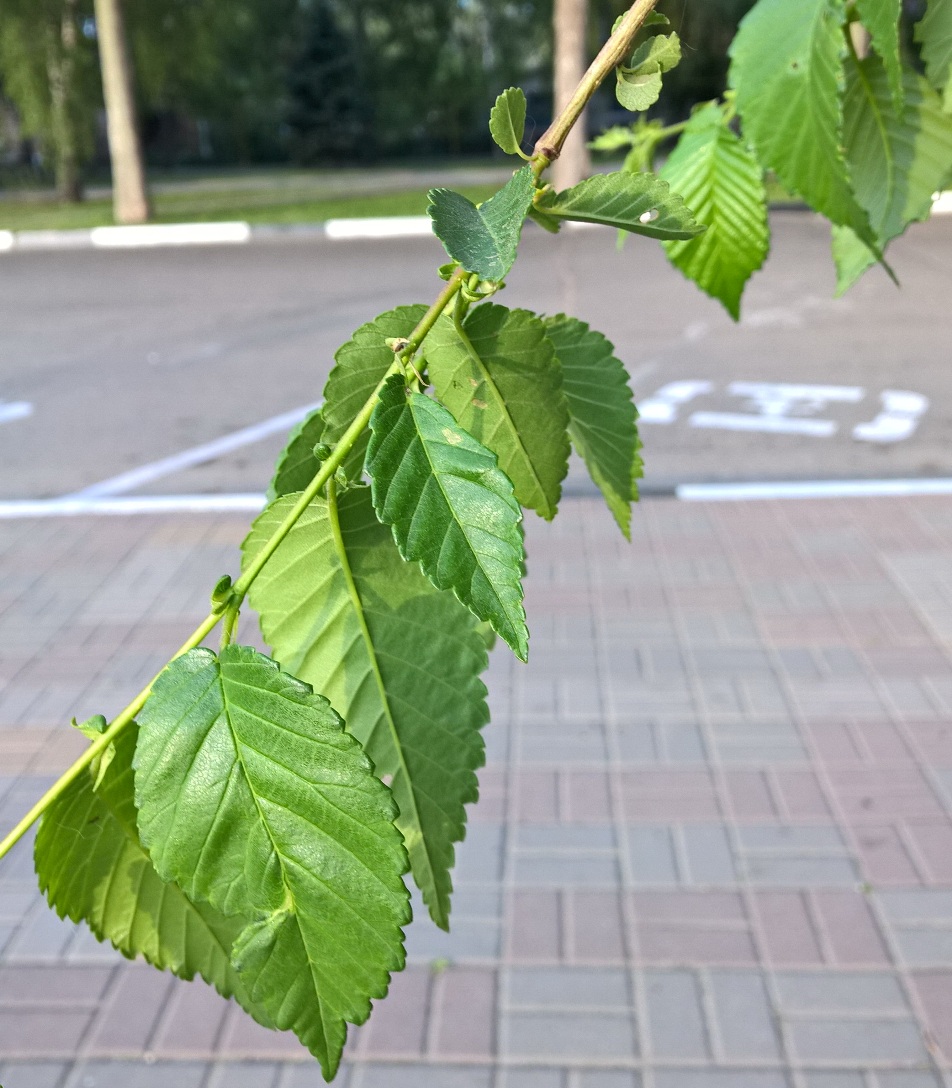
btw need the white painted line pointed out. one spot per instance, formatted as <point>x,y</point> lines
<point>169,234</point>
<point>197,455</point>
<point>942,203</point>
<point>17,409</point>
<point>7,239</point>
<point>394,226</point>
<point>139,504</point>
<point>52,239</point>
<point>741,421</point>
<point>813,489</point>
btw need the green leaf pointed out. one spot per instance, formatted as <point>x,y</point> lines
<point>898,160</point>
<point>934,34</point>
<point>359,366</point>
<point>484,239</point>
<point>450,507</point>
<point>93,868</point>
<point>499,376</point>
<point>723,183</point>
<point>614,138</point>
<point>277,815</point>
<point>660,53</point>
<point>653,18</point>
<point>787,68</point>
<point>640,203</point>
<point>637,90</point>
<point>297,465</point>
<point>881,19</point>
<point>638,83</point>
<point>399,659</point>
<point>602,427</point>
<point>507,120</point>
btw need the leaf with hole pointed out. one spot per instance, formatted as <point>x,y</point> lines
<point>602,414</point>
<point>277,816</point>
<point>450,506</point>
<point>640,203</point>
<point>399,659</point>
<point>498,374</point>
<point>484,239</point>
<point>723,183</point>
<point>507,120</point>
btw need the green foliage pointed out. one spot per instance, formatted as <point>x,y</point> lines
<point>723,184</point>
<point>484,240</point>
<point>640,203</point>
<point>297,465</point>
<point>498,374</point>
<point>638,83</point>
<point>881,19</point>
<point>787,71</point>
<point>507,120</point>
<point>934,34</point>
<point>602,412</point>
<point>451,508</point>
<point>897,159</point>
<point>397,658</point>
<point>280,819</point>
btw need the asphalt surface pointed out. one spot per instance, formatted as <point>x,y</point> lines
<point>129,357</point>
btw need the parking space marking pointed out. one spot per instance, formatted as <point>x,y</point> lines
<point>197,455</point>
<point>813,489</point>
<point>11,509</point>
<point>17,409</point>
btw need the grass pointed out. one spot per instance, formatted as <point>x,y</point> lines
<point>267,206</point>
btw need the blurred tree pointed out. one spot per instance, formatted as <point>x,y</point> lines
<point>569,61</point>
<point>49,69</point>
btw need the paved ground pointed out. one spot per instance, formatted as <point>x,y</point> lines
<point>128,357</point>
<point>714,848</point>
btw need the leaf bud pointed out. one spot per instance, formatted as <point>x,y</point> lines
<point>322,451</point>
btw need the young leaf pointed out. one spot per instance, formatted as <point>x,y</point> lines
<point>359,366</point>
<point>398,658</point>
<point>640,203</point>
<point>297,465</point>
<point>635,90</point>
<point>638,83</point>
<point>278,816</point>
<point>881,19</point>
<point>507,120</point>
<point>93,868</point>
<point>934,33</point>
<point>450,507</point>
<point>897,160</point>
<point>787,68</point>
<point>484,239</point>
<point>603,415</point>
<point>499,376</point>
<point>724,185</point>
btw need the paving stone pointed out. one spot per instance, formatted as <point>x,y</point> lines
<point>568,987</point>
<point>709,856</point>
<point>417,1076</point>
<point>244,1075</point>
<point>842,1078</point>
<point>125,1074</point>
<point>397,1027</point>
<point>652,856</point>
<point>33,1074</point>
<point>607,1078</point>
<point>743,1016</point>
<point>835,991</point>
<point>465,1000</point>
<point>533,1078</point>
<point>308,1075</point>
<point>858,1041</point>
<point>907,1078</point>
<point>566,869</point>
<point>852,932</point>
<point>676,1025</point>
<point>548,1036</point>
<point>720,1078</point>
<point>934,989</point>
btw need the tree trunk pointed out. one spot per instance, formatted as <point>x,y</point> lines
<point>569,24</point>
<point>61,72</point>
<point>130,200</point>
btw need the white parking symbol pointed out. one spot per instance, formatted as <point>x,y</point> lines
<point>17,409</point>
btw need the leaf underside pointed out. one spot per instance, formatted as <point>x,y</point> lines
<point>898,160</point>
<point>723,184</point>
<point>297,465</point>
<point>450,506</point>
<point>399,659</point>
<point>787,68</point>
<point>499,376</point>
<point>278,817</point>
<point>638,83</point>
<point>93,868</point>
<point>603,417</point>
<point>360,364</point>
<point>640,203</point>
<point>934,34</point>
<point>881,19</point>
<point>484,240</point>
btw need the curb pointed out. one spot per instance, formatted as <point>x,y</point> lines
<point>154,235</point>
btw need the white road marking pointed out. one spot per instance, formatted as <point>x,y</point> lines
<point>942,203</point>
<point>17,409</point>
<point>662,407</point>
<point>7,240</point>
<point>197,455</point>
<point>394,226</point>
<point>899,418</point>
<point>745,421</point>
<point>137,504</point>
<point>169,234</point>
<point>813,489</point>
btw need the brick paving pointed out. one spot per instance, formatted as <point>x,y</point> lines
<point>714,848</point>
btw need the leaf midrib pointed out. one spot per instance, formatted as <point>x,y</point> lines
<point>500,399</point>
